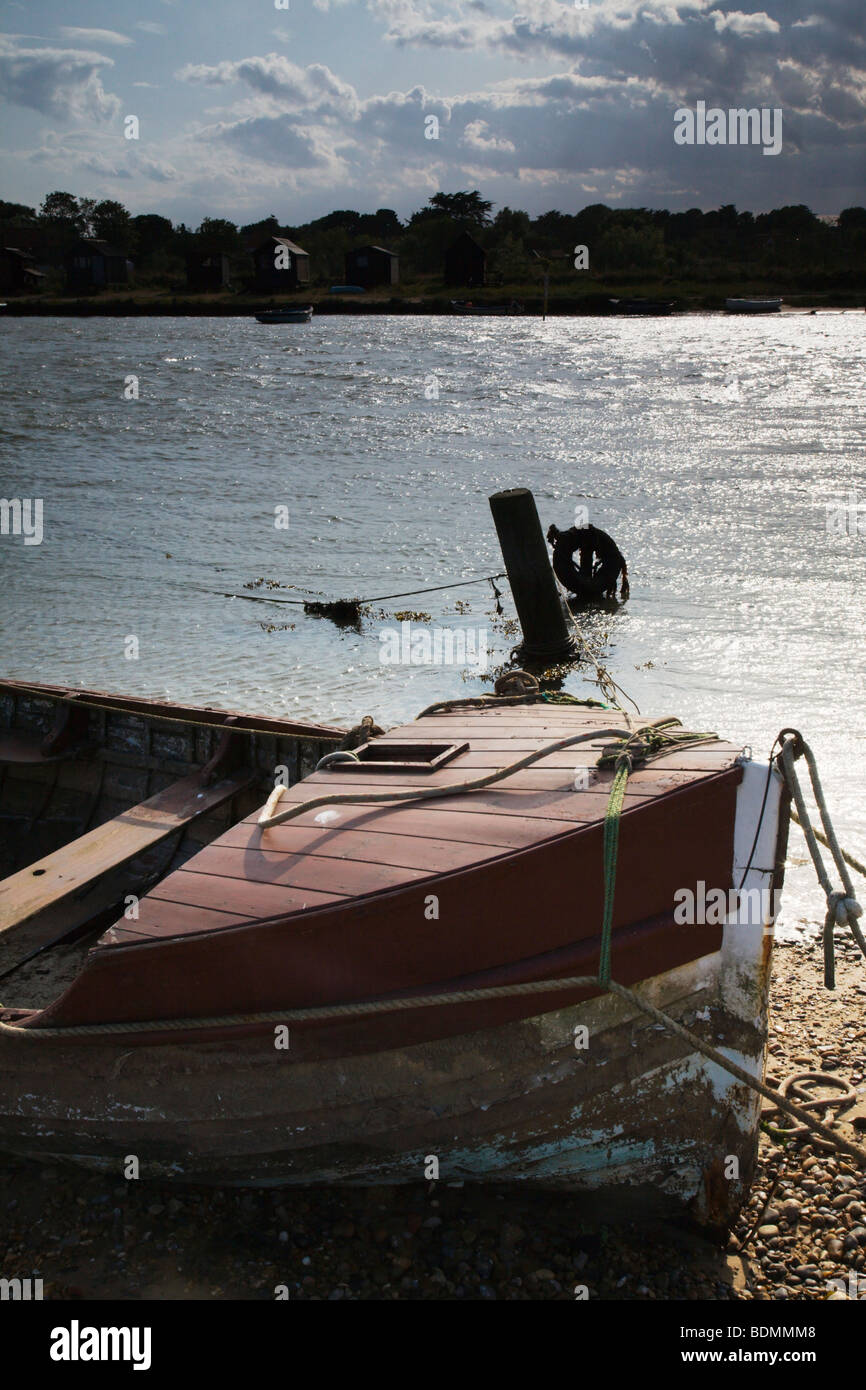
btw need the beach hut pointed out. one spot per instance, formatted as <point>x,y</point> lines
<point>94,265</point>
<point>207,272</point>
<point>18,273</point>
<point>372,265</point>
<point>465,262</point>
<point>280,265</point>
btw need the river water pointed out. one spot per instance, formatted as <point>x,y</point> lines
<point>353,457</point>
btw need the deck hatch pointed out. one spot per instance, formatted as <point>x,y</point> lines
<point>403,757</point>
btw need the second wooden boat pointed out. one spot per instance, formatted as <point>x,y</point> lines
<point>302,314</point>
<point>753,306</point>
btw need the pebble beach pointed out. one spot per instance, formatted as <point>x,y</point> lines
<point>802,1234</point>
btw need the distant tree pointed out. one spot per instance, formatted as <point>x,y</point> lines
<point>509,263</point>
<point>795,220</point>
<point>469,210</point>
<point>686,226</point>
<point>254,232</point>
<point>216,234</point>
<point>62,208</point>
<point>110,221</point>
<point>630,248</point>
<point>15,211</point>
<point>152,233</point>
<point>383,224</point>
<point>590,223</point>
<point>513,223</point>
<point>852,220</point>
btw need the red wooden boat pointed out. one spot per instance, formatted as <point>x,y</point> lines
<point>240,1003</point>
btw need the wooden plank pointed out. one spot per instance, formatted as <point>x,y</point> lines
<point>66,870</point>
<point>237,895</point>
<point>300,870</point>
<point>360,846</point>
<point>166,711</point>
<point>561,803</point>
<point>161,918</point>
<point>441,824</point>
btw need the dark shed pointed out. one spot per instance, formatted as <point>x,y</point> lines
<point>18,273</point>
<point>465,262</point>
<point>207,272</point>
<point>372,265</point>
<point>92,265</point>
<point>280,264</point>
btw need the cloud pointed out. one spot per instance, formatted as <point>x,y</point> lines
<point>308,89</point>
<point>56,82</point>
<point>150,26</point>
<point>109,36</point>
<point>746,25</point>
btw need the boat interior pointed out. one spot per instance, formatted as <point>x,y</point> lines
<point>101,797</point>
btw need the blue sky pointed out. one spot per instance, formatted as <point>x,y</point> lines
<point>247,109</point>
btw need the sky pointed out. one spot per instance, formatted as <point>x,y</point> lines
<point>251,107</point>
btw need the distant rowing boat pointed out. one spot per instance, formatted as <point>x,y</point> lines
<point>753,306</point>
<point>465,306</point>
<point>299,315</point>
<point>642,306</point>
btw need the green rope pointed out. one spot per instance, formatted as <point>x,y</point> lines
<point>561,697</point>
<point>612,818</point>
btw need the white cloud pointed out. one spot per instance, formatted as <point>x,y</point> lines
<point>109,36</point>
<point>56,82</point>
<point>312,88</point>
<point>746,25</point>
<point>150,26</point>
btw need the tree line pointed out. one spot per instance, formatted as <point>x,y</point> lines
<point>790,242</point>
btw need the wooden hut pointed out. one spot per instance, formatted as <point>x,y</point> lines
<point>372,265</point>
<point>18,273</point>
<point>94,265</point>
<point>465,262</point>
<point>207,272</point>
<point>280,265</point>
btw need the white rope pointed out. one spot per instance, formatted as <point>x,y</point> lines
<point>843,909</point>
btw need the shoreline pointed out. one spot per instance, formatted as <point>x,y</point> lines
<point>94,1238</point>
<point>588,306</point>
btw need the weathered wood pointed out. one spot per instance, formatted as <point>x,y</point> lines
<point>546,634</point>
<point>49,880</point>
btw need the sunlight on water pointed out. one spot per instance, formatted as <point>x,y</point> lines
<point>710,447</point>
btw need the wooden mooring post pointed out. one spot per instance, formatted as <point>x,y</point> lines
<point>546,632</point>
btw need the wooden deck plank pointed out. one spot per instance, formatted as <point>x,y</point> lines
<point>262,865</point>
<point>361,846</point>
<point>238,895</point>
<point>66,870</point>
<point>158,917</point>
<point>559,802</point>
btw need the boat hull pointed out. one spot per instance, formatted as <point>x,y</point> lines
<point>753,306</point>
<point>637,1116</point>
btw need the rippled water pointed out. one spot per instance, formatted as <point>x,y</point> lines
<point>708,446</point>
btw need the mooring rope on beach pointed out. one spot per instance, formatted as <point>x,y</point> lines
<point>842,906</point>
